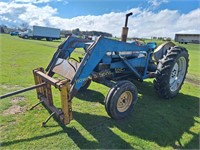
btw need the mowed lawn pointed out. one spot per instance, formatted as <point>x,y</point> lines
<point>154,124</point>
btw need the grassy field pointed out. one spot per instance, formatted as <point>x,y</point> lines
<point>154,124</point>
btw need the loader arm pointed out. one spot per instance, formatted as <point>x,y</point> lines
<point>64,50</point>
<point>94,55</point>
<point>119,60</point>
<point>95,52</point>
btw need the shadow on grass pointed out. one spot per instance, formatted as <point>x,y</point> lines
<point>91,96</point>
<point>29,139</point>
<point>193,143</point>
<point>153,120</point>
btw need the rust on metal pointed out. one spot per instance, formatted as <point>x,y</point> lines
<point>65,68</point>
<point>45,95</point>
<point>124,34</point>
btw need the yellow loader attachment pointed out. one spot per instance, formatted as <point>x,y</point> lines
<point>44,94</point>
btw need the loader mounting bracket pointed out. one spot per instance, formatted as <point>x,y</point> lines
<point>44,95</point>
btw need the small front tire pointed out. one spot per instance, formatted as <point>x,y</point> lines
<point>120,99</point>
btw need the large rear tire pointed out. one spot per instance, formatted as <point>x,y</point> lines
<point>120,99</point>
<point>171,72</point>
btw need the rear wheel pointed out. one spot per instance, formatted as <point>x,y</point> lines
<point>171,72</point>
<point>120,99</point>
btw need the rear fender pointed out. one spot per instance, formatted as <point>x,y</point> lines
<point>161,50</point>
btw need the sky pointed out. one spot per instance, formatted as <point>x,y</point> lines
<point>150,17</point>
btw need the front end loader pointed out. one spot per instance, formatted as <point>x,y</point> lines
<point>112,63</point>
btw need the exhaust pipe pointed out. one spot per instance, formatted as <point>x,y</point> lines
<point>125,28</point>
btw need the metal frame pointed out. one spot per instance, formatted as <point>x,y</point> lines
<point>104,53</point>
<point>44,94</point>
<point>95,53</point>
<point>134,58</point>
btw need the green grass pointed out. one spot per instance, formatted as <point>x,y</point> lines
<point>154,124</point>
<point>194,64</point>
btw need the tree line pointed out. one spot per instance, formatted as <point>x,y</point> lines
<point>5,29</point>
<point>78,32</point>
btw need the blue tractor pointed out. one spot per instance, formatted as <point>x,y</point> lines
<point>112,63</point>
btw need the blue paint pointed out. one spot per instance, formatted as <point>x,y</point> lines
<point>105,51</point>
<point>135,62</point>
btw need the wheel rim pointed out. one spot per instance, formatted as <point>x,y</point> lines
<point>124,101</point>
<point>177,74</point>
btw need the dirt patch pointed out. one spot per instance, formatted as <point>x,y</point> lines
<point>15,109</point>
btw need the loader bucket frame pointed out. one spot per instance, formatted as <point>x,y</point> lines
<point>95,53</point>
<point>45,97</point>
<point>105,53</point>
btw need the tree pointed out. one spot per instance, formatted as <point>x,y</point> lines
<point>76,31</point>
<point>4,29</point>
<point>24,26</point>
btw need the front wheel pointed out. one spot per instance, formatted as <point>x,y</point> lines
<point>120,99</point>
<point>171,72</point>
